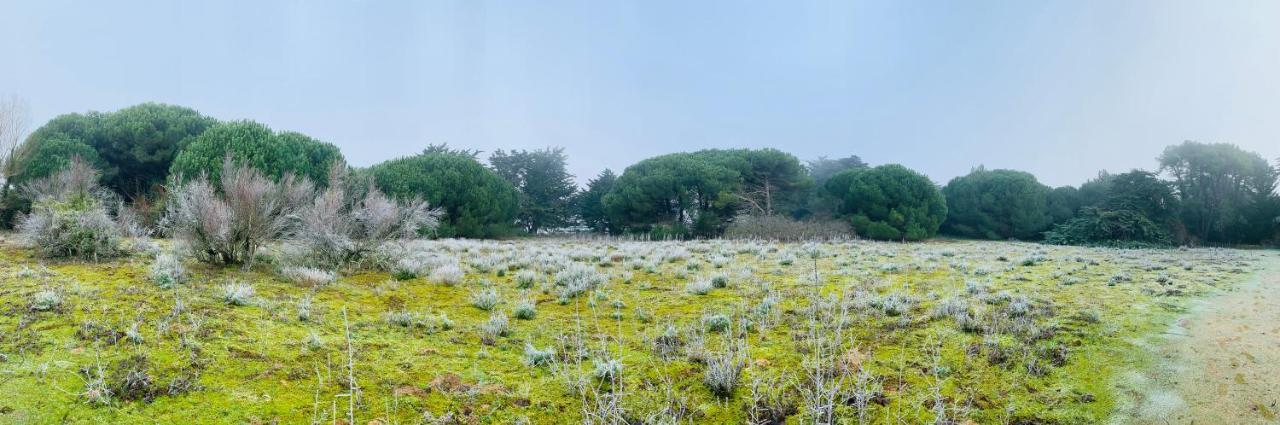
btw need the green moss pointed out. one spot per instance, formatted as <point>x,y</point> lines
<point>256,363</point>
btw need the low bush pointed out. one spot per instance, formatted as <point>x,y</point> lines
<point>68,217</point>
<point>348,221</point>
<point>1108,227</point>
<point>227,224</point>
<point>780,228</point>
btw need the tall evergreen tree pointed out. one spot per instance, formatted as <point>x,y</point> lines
<point>546,187</point>
<point>590,203</point>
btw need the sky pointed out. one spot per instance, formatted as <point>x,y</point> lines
<point>1061,89</point>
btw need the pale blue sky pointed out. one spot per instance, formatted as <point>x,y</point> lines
<point>1061,89</point>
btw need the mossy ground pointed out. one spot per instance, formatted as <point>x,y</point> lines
<point>260,363</point>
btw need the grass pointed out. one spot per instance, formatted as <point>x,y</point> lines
<point>927,331</point>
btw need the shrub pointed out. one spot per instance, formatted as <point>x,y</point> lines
<point>236,293</point>
<point>699,286</point>
<point>167,270</point>
<point>889,202</point>
<point>308,276</point>
<point>535,357</point>
<point>780,228</point>
<point>576,279</point>
<point>1101,227</point>
<point>404,319</point>
<point>608,370</point>
<point>495,327</point>
<point>344,225</point>
<point>68,218</point>
<point>717,323</point>
<point>46,300</point>
<point>526,310</point>
<point>448,274</point>
<point>228,224</point>
<point>526,278</point>
<point>723,372</point>
<point>485,299</point>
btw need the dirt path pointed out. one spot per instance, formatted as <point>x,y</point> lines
<point>1221,363</point>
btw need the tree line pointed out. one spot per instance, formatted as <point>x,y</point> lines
<point>1202,193</point>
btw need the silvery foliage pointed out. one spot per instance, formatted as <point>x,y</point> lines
<point>228,223</point>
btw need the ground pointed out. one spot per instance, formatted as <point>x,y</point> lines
<point>1217,364</point>
<point>655,332</point>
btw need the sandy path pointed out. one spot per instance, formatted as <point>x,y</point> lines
<point>1221,363</point>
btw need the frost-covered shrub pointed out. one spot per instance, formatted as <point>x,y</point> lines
<point>345,224</point>
<point>68,217</point>
<point>717,323</point>
<point>485,299</point>
<point>576,279</point>
<point>608,370</point>
<point>228,223</point>
<point>536,357</point>
<point>495,327</point>
<point>167,270</point>
<point>525,279</point>
<point>404,319</point>
<point>526,310</point>
<point>236,293</point>
<point>46,300</point>
<point>723,371</point>
<point>699,286</point>
<point>781,228</point>
<point>308,276</point>
<point>449,274</point>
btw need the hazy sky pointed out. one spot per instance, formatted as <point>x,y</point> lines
<point>1061,89</point>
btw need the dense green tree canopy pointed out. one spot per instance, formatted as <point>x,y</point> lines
<point>695,194</point>
<point>1095,226</point>
<point>888,202</point>
<point>997,204</point>
<point>477,202</point>
<point>823,168</point>
<point>1221,188</point>
<point>1063,203</point>
<point>590,203</point>
<point>133,146</point>
<point>546,187</point>
<point>273,154</point>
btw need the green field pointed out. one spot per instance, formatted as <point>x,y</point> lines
<point>599,331</point>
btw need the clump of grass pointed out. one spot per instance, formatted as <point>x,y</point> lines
<point>526,310</point>
<point>308,276</point>
<point>448,275</point>
<point>607,370</point>
<point>495,327</point>
<point>46,300</point>
<point>699,286</point>
<point>723,371</point>
<point>485,299</point>
<point>668,343</point>
<point>404,319</point>
<point>577,279</point>
<point>525,279</point>
<point>893,304</point>
<point>304,308</point>
<point>717,323</point>
<point>538,357</point>
<point>236,293</point>
<point>167,270</point>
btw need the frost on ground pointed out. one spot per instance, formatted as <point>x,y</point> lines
<point>609,331</point>
<point>1217,363</point>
